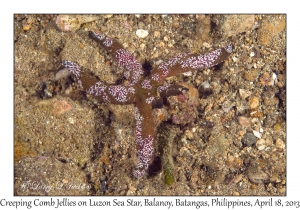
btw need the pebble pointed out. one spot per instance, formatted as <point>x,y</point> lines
<point>207,45</point>
<point>251,75</point>
<point>156,34</point>
<point>103,186</point>
<point>244,93</point>
<point>258,177</point>
<point>205,84</point>
<point>65,181</point>
<point>257,134</point>
<point>282,190</point>
<point>142,33</point>
<point>277,127</point>
<point>265,79</point>
<point>26,27</point>
<point>255,113</point>
<point>142,46</point>
<point>248,139</point>
<point>188,74</point>
<point>161,44</point>
<point>71,120</point>
<point>279,144</point>
<point>254,102</point>
<point>244,121</point>
<point>280,84</point>
<point>189,134</point>
<point>236,193</point>
<point>108,15</point>
<point>61,107</point>
<point>226,106</point>
<point>260,144</point>
<point>274,79</point>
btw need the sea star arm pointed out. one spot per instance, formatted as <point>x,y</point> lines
<point>115,94</point>
<point>145,129</point>
<point>144,133</point>
<point>123,58</point>
<point>190,62</point>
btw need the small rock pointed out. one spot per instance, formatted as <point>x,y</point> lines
<point>277,127</point>
<point>236,193</point>
<point>280,144</point>
<point>71,120</point>
<point>103,186</point>
<point>282,190</point>
<point>61,107</point>
<point>234,162</point>
<point>241,133</point>
<point>244,93</point>
<point>248,139</point>
<point>244,121</point>
<point>274,79</point>
<point>108,15</point>
<point>265,79</point>
<point>26,27</point>
<point>257,134</point>
<point>157,34</point>
<point>65,181</point>
<point>238,178</point>
<point>269,142</point>
<point>162,44</point>
<point>142,46</point>
<point>249,66</point>
<point>260,144</point>
<point>226,106</point>
<point>275,179</point>
<point>188,74</point>
<point>205,84</point>
<point>251,75</point>
<point>131,188</point>
<point>207,45</point>
<point>141,33</point>
<point>258,177</point>
<point>254,102</point>
<point>189,134</point>
<point>255,113</point>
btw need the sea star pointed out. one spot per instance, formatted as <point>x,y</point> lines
<point>144,92</point>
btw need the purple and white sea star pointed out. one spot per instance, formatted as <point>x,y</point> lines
<point>144,92</point>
